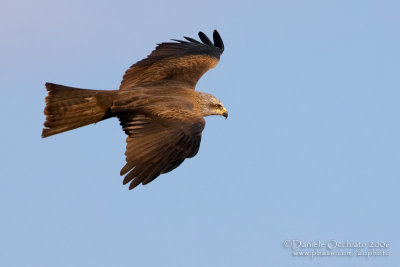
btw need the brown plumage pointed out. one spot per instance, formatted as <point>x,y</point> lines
<point>156,105</point>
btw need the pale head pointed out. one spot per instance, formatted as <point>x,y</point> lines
<point>208,105</point>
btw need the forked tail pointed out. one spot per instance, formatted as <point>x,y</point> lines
<point>68,108</point>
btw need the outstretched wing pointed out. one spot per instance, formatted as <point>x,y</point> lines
<point>157,147</point>
<point>180,62</point>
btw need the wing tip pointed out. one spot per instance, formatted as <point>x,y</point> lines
<point>218,43</point>
<point>218,40</point>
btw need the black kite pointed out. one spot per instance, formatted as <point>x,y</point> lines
<point>156,105</point>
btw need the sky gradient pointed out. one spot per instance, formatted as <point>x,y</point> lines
<point>310,150</point>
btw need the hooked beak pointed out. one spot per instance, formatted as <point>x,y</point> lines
<point>225,114</point>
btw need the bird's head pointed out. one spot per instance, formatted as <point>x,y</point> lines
<point>210,105</point>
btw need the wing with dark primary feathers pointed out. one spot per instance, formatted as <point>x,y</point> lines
<point>180,62</point>
<point>155,147</point>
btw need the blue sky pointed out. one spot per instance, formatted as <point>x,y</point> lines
<point>310,151</point>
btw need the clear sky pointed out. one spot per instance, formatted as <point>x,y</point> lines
<point>310,151</point>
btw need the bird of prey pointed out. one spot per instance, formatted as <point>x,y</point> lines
<point>156,104</point>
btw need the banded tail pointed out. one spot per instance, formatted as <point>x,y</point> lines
<point>68,108</point>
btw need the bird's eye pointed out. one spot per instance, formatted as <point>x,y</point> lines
<point>218,106</point>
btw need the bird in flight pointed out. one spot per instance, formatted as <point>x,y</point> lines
<point>156,104</point>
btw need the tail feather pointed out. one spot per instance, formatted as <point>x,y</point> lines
<point>68,108</point>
